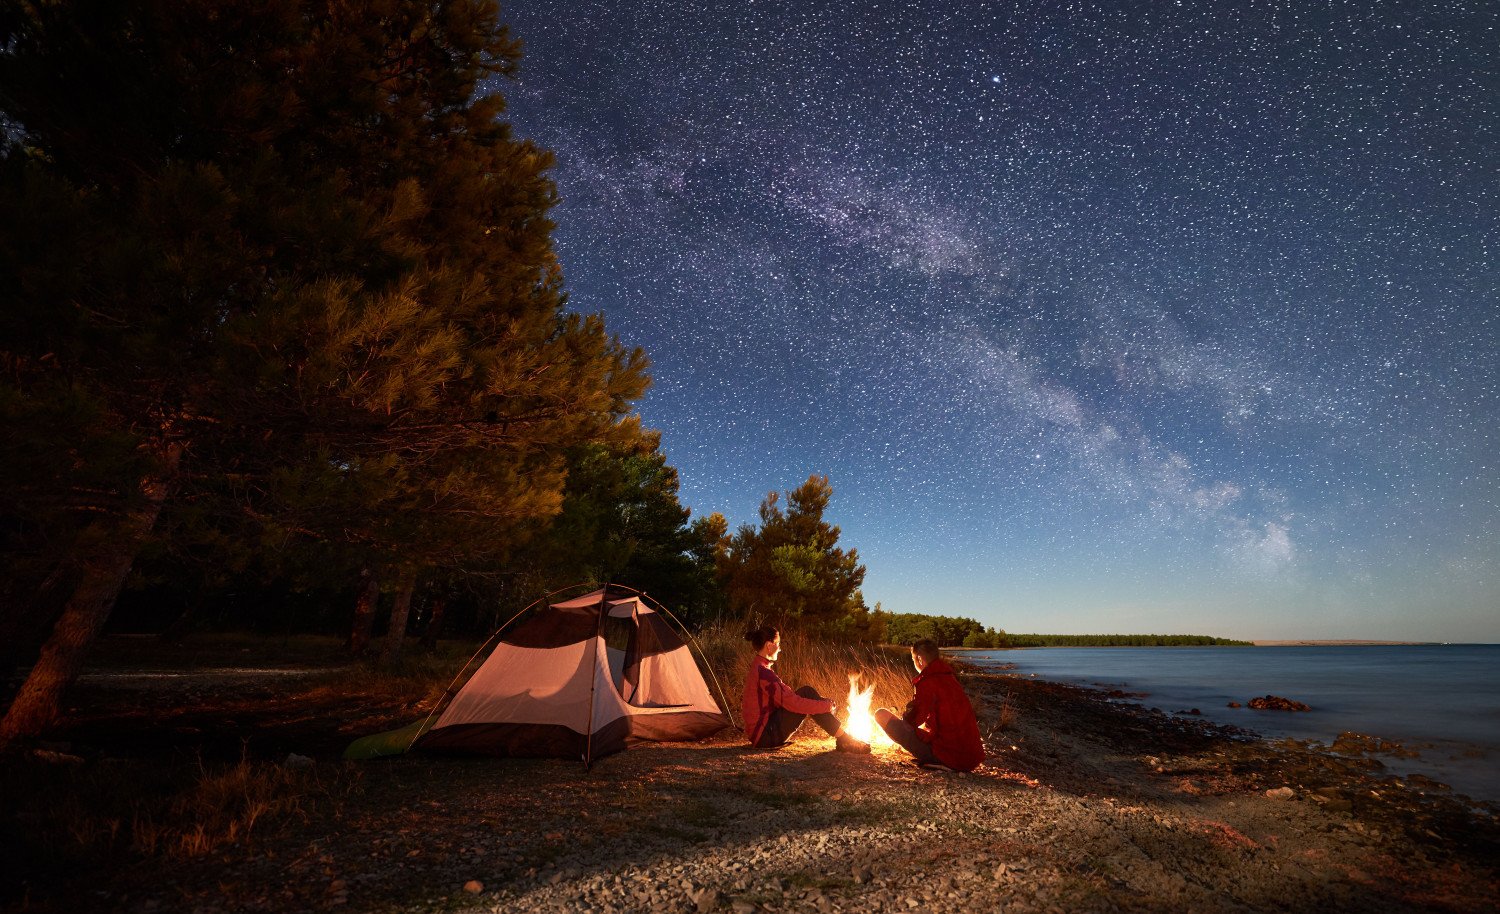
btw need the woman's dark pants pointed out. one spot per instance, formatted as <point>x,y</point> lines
<point>784,723</point>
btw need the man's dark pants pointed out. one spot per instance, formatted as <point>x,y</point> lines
<point>905,735</point>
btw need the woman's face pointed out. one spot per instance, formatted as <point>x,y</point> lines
<point>771,648</point>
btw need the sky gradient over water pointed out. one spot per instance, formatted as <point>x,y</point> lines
<point>1118,316</point>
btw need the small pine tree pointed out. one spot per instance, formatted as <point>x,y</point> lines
<point>791,566</point>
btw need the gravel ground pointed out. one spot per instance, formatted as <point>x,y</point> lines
<point>1086,805</point>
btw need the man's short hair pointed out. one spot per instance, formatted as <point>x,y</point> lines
<point>927,649</point>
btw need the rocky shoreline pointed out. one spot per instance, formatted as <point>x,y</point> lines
<point>1087,804</point>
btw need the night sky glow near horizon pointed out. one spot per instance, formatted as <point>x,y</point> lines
<point>1100,317</point>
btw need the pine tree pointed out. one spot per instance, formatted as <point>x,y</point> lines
<point>283,257</point>
<point>622,521</point>
<point>791,566</point>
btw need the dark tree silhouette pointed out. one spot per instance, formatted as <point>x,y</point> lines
<point>279,256</point>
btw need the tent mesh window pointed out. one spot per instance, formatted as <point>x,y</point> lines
<point>619,642</point>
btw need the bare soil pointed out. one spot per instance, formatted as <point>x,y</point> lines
<point>1086,804</point>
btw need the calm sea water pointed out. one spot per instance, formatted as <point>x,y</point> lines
<point>1441,699</point>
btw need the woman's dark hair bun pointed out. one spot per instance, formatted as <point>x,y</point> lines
<point>759,636</point>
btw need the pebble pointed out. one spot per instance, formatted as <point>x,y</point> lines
<point>1281,793</point>
<point>473,887</point>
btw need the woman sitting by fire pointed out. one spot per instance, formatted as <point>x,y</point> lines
<point>773,711</point>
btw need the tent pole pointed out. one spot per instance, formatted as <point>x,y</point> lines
<point>588,746</point>
<point>448,692</point>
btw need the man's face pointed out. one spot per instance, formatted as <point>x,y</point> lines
<point>917,661</point>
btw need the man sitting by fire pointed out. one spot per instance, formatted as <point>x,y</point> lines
<point>938,727</point>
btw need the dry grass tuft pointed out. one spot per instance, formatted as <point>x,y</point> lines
<point>58,817</point>
<point>224,804</point>
<point>1006,718</point>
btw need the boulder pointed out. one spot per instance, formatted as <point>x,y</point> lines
<point>1277,703</point>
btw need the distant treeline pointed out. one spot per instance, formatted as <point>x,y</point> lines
<point>1121,641</point>
<point>947,631</point>
<point>958,631</point>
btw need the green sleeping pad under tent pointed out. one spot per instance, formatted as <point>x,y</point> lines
<point>391,742</point>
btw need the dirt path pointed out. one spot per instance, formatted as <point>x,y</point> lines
<point>1085,807</point>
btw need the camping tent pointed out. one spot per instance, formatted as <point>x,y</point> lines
<point>580,679</point>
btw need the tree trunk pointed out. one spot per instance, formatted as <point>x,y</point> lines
<point>399,612</point>
<point>434,623</point>
<point>102,576</point>
<point>364,614</point>
<point>22,633</point>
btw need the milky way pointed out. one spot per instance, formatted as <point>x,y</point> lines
<point>1118,316</point>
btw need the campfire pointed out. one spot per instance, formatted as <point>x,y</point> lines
<point>861,721</point>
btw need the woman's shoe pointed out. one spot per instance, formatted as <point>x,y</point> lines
<point>847,743</point>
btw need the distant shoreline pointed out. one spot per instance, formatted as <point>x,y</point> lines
<point>1345,643</point>
<point>1348,642</point>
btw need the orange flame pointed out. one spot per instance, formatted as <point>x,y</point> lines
<point>861,721</point>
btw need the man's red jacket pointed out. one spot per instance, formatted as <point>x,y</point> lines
<point>944,718</point>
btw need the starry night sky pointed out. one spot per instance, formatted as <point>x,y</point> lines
<point>1118,316</point>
